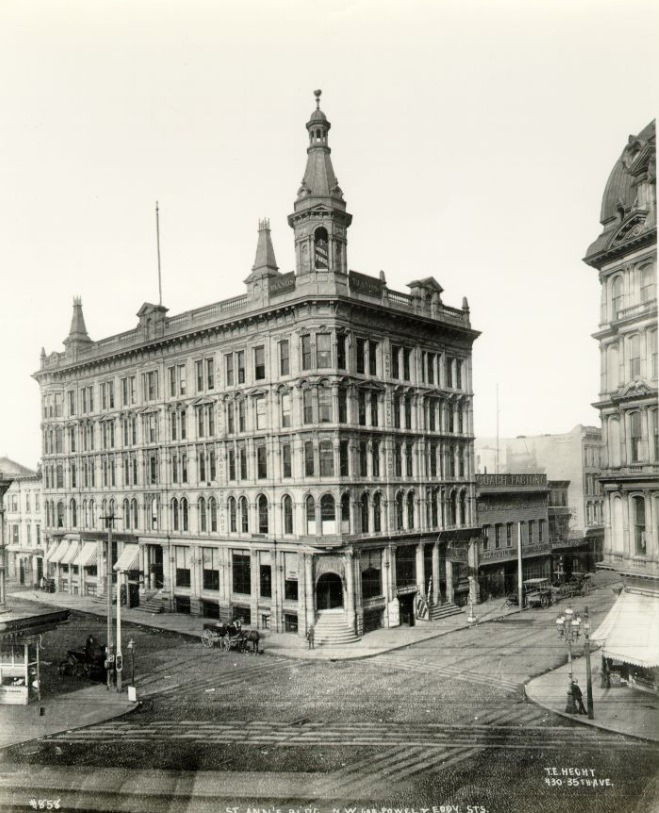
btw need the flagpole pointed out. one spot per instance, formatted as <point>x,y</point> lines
<point>520,583</point>
<point>158,245</point>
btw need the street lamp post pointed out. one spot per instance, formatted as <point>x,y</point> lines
<point>569,625</point>
<point>130,646</point>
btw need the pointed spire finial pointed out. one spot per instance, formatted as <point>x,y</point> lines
<point>317,94</point>
<point>265,254</point>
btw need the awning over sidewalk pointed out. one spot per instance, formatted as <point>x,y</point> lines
<point>630,632</point>
<point>88,555</point>
<point>128,558</point>
<point>55,555</point>
<point>70,555</point>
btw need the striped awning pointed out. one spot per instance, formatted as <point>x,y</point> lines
<point>71,554</point>
<point>88,555</point>
<point>55,554</point>
<point>630,632</point>
<point>128,558</point>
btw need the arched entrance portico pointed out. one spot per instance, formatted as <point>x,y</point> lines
<point>329,592</point>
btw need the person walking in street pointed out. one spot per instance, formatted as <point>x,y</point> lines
<point>310,637</point>
<point>578,697</point>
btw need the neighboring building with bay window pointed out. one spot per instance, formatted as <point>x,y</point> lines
<point>299,452</point>
<point>625,256</point>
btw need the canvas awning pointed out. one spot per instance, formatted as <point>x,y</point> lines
<point>128,558</point>
<point>88,555</point>
<point>630,632</point>
<point>70,555</point>
<point>57,554</point>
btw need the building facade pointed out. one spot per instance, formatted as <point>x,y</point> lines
<point>303,449</point>
<point>573,458</point>
<point>512,509</point>
<point>625,255</point>
<point>24,544</point>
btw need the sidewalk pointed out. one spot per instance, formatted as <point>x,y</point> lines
<point>632,712</point>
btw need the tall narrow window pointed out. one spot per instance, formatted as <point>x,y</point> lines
<point>306,352</point>
<point>307,402</point>
<point>361,355</point>
<point>310,511</point>
<point>636,437</point>
<point>284,357</point>
<point>327,514</point>
<point>324,404</point>
<point>288,515</point>
<point>341,351</point>
<point>309,459</point>
<point>263,514</point>
<point>638,504</point>
<point>285,409</point>
<point>286,463</point>
<point>261,462</point>
<point>259,363</point>
<point>365,511</point>
<point>326,458</point>
<point>323,350</point>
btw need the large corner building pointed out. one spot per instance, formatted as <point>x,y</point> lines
<point>299,454</point>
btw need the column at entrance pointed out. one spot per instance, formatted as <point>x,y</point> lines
<point>435,597</point>
<point>420,570</point>
<point>350,590</point>
<point>449,581</point>
<point>310,613</point>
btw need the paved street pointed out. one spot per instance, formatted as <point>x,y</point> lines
<point>443,721</point>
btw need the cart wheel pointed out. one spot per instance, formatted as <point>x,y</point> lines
<point>544,601</point>
<point>207,639</point>
<point>525,602</point>
<point>226,643</point>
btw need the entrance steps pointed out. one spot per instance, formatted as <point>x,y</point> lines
<point>439,611</point>
<point>332,629</point>
<point>152,603</point>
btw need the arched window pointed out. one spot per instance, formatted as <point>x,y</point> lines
<point>263,514</point>
<point>47,514</point>
<point>288,515</point>
<point>201,507</point>
<point>175,517</point>
<point>434,513</point>
<point>324,403</point>
<point>377,513</point>
<point>321,248</point>
<point>635,437</point>
<point>60,514</point>
<point>212,510</point>
<point>74,514</point>
<point>184,514</point>
<point>613,445</point>
<point>310,511</point>
<point>638,504</point>
<point>84,518</point>
<point>452,509</point>
<point>399,511</point>
<point>364,510</point>
<point>134,512</point>
<point>126,514</point>
<point>410,510</point>
<point>345,514</point>
<point>612,369</point>
<point>327,514</point>
<point>244,516</point>
<point>231,510</point>
<point>92,514</point>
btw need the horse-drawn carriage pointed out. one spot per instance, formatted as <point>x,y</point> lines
<point>85,663</point>
<point>230,636</point>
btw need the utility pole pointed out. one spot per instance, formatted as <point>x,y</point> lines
<point>109,654</point>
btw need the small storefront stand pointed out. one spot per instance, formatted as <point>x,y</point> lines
<point>20,639</point>
<point>629,637</point>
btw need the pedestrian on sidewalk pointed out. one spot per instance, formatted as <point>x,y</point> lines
<point>310,637</point>
<point>578,697</point>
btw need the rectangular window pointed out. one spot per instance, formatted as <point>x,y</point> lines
<point>309,468</point>
<point>290,594</point>
<point>326,459</point>
<point>150,385</point>
<point>199,375</point>
<point>265,586</point>
<point>449,372</point>
<point>231,418</point>
<point>307,400</point>
<point>242,573</point>
<point>376,459</point>
<point>211,568</point>
<point>228,369</point>
<point>374,409</point>
<point>395,354</point>
<point>259,363</point>
<point>408,460</point>
<point>431,367</point>
<point>261,462</point>
<point>363,459</point>
<point>231,464</point>
<point>286,463</point>
<point>636,437</point>
<point>210,374</point>
<point>323,350</point>
<point>242,456</point>
<point>182,555</point>
<point>407,353</point>
<point>261,417</point>
<point>240,364</point>
<point>324,405</point>
<point>509,534</point>
<point>306,352</point>
<point>344,458</point>
<point>71,397</point>
<point>285,409</point>
<point>284,357</point>
<point>241,415</point>
<point>341,351</point>
<point>361,407</point>
<point>361,355</point>
<point>343,405</point>
<point>373,358</point>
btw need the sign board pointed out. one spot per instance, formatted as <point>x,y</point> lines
<point>393,611</point>
<point>456,554</point>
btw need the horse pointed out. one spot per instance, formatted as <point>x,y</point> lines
<point>253,637</point>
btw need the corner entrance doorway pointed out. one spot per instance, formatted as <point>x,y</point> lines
<point>329,592</point>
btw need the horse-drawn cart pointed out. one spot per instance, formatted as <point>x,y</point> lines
<point>230,636</point>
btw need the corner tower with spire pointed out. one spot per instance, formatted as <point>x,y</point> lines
<point>78,337</point>
<point>320,220</point>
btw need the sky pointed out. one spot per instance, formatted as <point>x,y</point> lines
<point>472,140</point>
